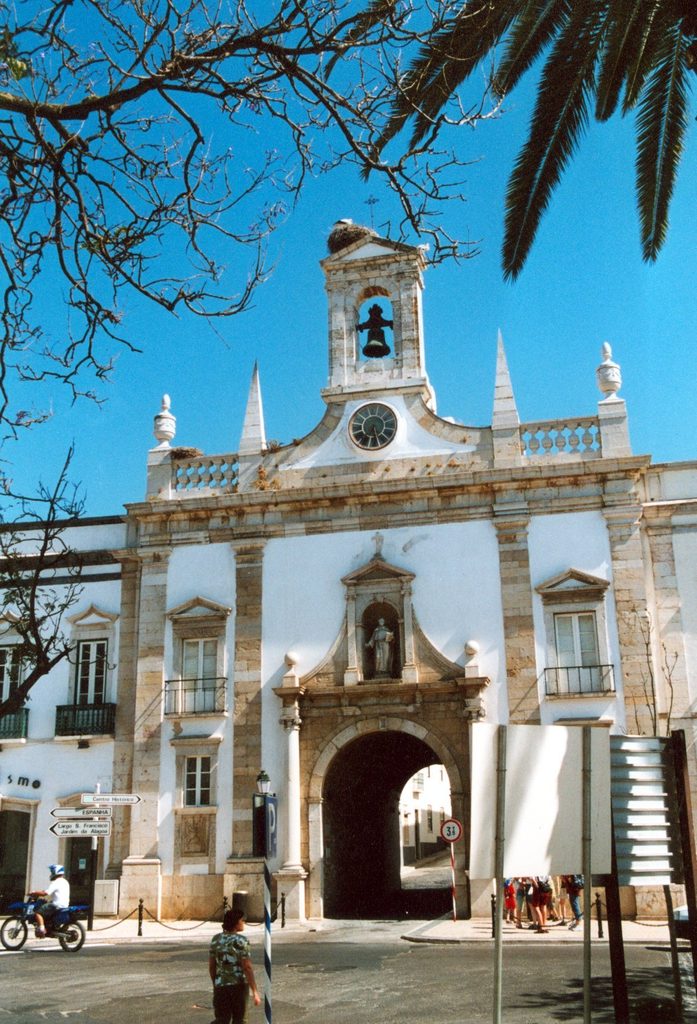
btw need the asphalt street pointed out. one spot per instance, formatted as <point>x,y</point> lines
<point>368,974</point>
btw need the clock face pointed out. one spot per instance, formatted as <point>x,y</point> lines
<point>373,426</point>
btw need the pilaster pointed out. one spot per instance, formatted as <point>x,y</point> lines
<point>667,633</point>
<point>246,758</point>
<point>629,586</point>
<point>511,524</point>
<point>142,863</point>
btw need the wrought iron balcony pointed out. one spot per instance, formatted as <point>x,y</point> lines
<point>195,696</point>
<point>579,681</point>
<point>14,725</point>
<point>85,719</point>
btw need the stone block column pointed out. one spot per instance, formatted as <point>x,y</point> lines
<point>141,875</point>
<point>629,579</point>
<point>516,596</point>
<point>247,694</point>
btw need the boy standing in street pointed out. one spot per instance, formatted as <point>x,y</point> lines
<point>230,969</point>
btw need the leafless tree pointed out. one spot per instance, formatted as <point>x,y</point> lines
<point>146,145</point>
<point>39,582</point>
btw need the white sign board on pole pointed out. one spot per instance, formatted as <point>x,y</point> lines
<point>109,799</point>
<point>71,829</point>
<point>81,812</point>
<point>543,800</point>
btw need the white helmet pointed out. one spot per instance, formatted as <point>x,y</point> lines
<point>56,869</point>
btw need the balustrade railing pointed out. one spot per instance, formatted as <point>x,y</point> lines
<point>85,719</point>
<point>562,437</point>
<point>14,725</point>
<point>200,472</point>
<point>194,696</point>
<point>579,680</point>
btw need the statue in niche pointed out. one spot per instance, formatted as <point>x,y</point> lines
<point>381,644</point>
<point>375,346</point>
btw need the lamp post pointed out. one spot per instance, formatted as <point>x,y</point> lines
<point>264,823</point>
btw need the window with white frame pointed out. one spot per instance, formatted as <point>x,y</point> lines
<point>10,670</point>
<point>578,662</point>
<point>197,681</point>
<point>198,770</point>
<point>91,671</point>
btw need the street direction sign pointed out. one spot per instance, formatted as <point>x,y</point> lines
<point>70,829</point>
<point>112,799</point>
<point>451,830</point>
<point>82,812</point>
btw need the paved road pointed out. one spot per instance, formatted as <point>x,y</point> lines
<point>367,976</point>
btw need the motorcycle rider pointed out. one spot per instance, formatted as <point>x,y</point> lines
<point>56,897</point>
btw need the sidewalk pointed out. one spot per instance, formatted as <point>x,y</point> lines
<point>442,930</point>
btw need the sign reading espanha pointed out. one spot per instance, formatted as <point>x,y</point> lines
<point>81,812</point>
<point>109,799</point>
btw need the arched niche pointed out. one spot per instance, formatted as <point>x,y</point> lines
<point>378,591</point>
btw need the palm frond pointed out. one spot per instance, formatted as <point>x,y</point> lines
<point>662,121</point>
<point>656,22</point>
<point>623,37</point>
<point>560,116</point>
<point>537,24</point>
<point>444,64</point>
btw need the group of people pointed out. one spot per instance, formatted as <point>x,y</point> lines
<point>544,900</point>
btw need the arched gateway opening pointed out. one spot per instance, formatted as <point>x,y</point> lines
<point>361,826</point>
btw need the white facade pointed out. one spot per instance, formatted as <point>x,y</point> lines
<point>528,573</point>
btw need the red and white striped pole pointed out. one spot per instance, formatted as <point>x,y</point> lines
<point>450,832</point>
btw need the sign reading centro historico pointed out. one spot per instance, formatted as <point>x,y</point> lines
<point>109,799</point>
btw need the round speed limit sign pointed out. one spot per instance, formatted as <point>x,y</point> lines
<point>451,830</point>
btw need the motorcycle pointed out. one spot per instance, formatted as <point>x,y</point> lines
<point>64,925</point>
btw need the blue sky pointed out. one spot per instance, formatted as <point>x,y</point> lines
<point>583,284</point>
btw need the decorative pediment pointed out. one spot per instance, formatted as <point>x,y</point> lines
<point>197,607</point>
<point>376,571</point>
<point>369,246</point>
<point>93,617</point>
<point>572,585</point>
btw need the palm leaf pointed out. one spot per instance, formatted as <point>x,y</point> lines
<point>623,39</point>
<point>662,120</point>
<point>656,22</point>
<point>560,116</point>
<point>534,28</point>
<point>443,65</point>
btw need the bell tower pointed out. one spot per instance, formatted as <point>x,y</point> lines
<point>374,288</point>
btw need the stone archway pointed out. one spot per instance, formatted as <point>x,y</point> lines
<point>354,820</point>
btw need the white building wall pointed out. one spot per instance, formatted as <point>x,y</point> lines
<point>575,540</point>
<point>201,570</point>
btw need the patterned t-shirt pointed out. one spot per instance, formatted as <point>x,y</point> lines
<point>229,950</point>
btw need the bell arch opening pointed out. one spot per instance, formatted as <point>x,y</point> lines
<point>362,828</point>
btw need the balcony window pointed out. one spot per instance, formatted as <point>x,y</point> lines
<point>10,670</point>
<point>91,673</point>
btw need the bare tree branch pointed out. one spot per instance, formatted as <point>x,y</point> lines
<point>151,148</point>
<point>40,580</point>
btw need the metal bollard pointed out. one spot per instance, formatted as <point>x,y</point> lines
<point>224,905</point>
<point>283,910</point>
<point>140,917</point>
<point>599,914</point>
<point>493,915</point>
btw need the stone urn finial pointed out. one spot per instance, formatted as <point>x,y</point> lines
<point>608,374</point>
<point>165,424</point>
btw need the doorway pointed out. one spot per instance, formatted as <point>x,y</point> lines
<point>14,855</point>
<point>362,835</point>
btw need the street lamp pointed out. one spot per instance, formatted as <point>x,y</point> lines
<point>263,783</point>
